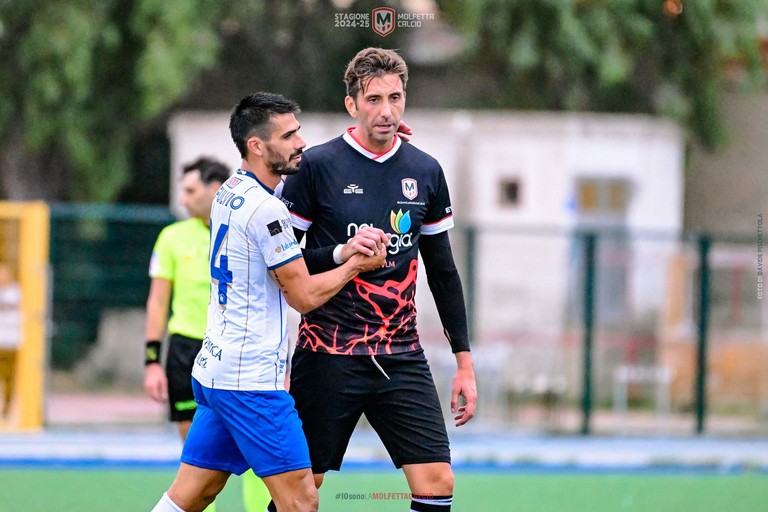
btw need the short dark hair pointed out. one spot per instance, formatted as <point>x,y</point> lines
<point>370,63</point>
<point>210,170</point>
<point>253,115</point>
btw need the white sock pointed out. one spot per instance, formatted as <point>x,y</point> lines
<point>166,505</point>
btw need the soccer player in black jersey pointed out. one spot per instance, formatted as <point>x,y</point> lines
<point>360,352</point>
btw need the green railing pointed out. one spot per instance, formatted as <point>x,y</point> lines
<point>588,323</point>
<point>591,317</point>
<point>99,259</point>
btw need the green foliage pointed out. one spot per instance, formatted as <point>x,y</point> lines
<point>163,71</point>
<point>614,56</point>
<point>81,77</point>
<point>290,47</point>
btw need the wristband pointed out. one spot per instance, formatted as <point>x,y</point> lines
<point>337,254</point>
<point>152,352</point>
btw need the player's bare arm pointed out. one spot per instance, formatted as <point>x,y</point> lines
<point>305,292</point>
<point>155,381</point>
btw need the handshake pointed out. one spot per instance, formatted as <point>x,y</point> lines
<point>367,249</point>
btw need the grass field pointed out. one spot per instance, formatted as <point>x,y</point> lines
<point>118,490</point>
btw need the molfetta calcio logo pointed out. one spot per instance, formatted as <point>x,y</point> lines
<point>383,20</point>
<point>410,188</point>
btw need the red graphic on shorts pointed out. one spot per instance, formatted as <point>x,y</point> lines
<point>392,316</point>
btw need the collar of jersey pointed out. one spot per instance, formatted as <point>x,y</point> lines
<point>377,157</point>
<point>251,175</point>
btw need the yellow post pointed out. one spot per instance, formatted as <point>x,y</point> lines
<point>33,251</point>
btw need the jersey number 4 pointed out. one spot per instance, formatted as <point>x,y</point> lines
<point>222,274</point>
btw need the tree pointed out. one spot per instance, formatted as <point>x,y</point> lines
<point>294,48</point>
<point>665,57</point>
<point>79,78</point>
<point>83,80</point>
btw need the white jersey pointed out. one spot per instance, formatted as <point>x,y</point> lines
<point>246,341</point>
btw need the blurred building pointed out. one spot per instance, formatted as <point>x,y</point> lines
<point>523,187</point>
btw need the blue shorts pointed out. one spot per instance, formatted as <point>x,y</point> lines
<point>236,430</point>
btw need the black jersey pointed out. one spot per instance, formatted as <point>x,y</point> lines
<point>341,188</point>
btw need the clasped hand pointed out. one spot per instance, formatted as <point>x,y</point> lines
<point>370,244</point>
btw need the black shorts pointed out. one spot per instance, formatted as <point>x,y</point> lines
<point>332,391</point>
<point>181,357</point>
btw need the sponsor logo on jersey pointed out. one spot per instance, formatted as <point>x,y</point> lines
<point>285,246</point>
<point>353,189</point>
<point>278,226</point>
<point>400,223</point>
<point>410,188</point>
<point>213,349</point>
<point>274,228</point>
<point>233,182</point>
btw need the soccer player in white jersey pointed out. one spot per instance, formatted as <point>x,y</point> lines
<point>245,418</point>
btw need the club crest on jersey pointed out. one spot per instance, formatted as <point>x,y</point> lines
<point>410,188</point>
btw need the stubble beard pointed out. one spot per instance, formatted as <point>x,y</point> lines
<point>282,169</point>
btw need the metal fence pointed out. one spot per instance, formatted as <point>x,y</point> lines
<point>99,260</point>
<point>599,331</point>
<point>608,331</point>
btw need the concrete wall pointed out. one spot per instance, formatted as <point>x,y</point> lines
<point>727,189</point>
